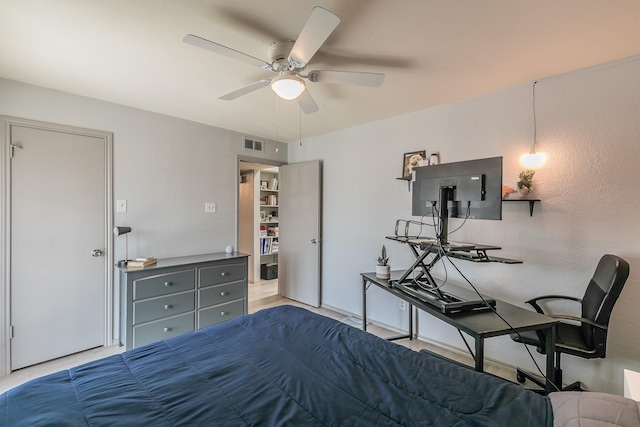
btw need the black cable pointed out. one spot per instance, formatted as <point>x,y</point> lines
<point>441,251</point>
<point>423,223</point>
<point>504,320</point>
<point>466,216</point>
<point>443,254</point>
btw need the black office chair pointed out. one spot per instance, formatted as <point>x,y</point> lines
<point>585,336</point>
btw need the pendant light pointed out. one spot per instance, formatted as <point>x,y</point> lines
<point>532,159</point>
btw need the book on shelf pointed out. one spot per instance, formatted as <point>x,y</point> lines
<point>265,246</point>
<point>142,262</point>
<point>274,184</point>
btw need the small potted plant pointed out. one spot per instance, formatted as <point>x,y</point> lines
<point>524,183</point>
<point>383,269</point>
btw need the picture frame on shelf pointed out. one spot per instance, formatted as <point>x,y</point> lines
<point>263,216</point>
<point>410,160</point>
<point>264,185</point>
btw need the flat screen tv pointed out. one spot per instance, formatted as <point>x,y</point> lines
<point>470,189</point>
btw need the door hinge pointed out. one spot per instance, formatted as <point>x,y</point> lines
<point>11,332</point>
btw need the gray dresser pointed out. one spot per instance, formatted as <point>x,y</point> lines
<point>179,295</point>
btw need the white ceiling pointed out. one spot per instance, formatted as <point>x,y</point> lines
<point>432,52</point>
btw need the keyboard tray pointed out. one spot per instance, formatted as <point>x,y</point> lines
<point>463,301</point>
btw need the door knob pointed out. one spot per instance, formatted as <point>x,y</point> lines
<point>314,241</point>
<point>96,252</point>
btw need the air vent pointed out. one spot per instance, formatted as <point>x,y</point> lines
<point>252,144</point>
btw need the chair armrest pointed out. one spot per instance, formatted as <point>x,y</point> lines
<point>534,301</point>
<point>579,319</point>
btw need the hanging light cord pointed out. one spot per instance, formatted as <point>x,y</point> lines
<point>533,108</point>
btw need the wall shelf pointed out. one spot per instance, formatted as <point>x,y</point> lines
<point>531,203</point>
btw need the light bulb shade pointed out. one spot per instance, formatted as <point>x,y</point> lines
<point>287,85</point>
<point>118,231</point>
<point>533,160</point>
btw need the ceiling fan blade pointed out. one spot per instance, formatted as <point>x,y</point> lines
<point>245,90</point>
<point>226,51</point>
<point>318,28</point>
<point>347,78</point>
<point>306,102</point>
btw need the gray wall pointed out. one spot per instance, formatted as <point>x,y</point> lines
<point>588,126</point>
<point>166,168</point>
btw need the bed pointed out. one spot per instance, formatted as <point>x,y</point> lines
<point>284,366</point>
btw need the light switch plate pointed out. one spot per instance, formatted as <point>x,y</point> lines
<point>121,205</point>
<point>210,207</point>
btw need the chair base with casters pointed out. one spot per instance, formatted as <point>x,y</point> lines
<point>584,336</point>
<point>522,376</point>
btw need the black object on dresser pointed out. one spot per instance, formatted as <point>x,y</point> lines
<point>179,295</point>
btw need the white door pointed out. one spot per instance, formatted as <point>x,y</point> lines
<point>300,232</point>
<point>59,208</point>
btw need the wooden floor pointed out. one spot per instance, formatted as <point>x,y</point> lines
<point>261,295</point>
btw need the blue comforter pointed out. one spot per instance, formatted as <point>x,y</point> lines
<point>280,366</point>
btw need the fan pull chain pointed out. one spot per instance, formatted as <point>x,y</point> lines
<point>277,117</point>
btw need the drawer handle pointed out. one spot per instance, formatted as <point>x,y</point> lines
<point>167,329</point>
<point>223,313</point>
<point>167,306</point>
<point>223,274</point>
<point>167,284</point>
<point>223,293</point>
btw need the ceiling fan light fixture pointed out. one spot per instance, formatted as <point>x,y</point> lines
<point>287,85</point>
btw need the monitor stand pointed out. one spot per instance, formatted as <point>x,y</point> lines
<point>424,287</point>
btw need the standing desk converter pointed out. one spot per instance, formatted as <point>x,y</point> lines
<point>479,325</point>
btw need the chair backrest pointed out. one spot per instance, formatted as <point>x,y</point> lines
<point>600,297</point>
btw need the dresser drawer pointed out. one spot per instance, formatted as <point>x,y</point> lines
<point>163,284</point>
<point>220,294</point>
<point>221,274</point>
<point>157,308</point>
<point>162,329</point>
<point>220,313</point>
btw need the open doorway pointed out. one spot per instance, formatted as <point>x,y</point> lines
<point>258,229</point>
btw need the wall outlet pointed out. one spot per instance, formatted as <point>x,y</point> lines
<point>210,207</point>
<point>402,304</point>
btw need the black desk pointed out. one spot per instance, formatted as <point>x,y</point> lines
<point>478,325</point>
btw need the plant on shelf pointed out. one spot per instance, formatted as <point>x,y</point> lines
<point>383,270</point>
<point>524,183</point>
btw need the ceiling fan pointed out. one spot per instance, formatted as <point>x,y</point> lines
<point>289,59</point>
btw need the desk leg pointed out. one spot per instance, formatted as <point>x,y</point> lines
<point>364,304</point>
<point>410,321</point>
<point>479,354</point>
<point>551,368</point>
